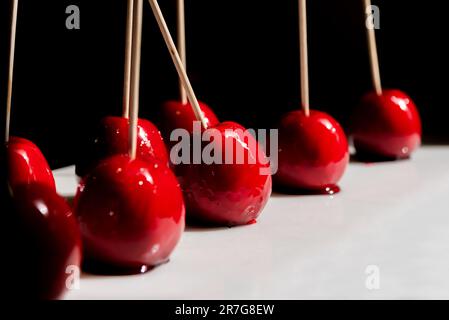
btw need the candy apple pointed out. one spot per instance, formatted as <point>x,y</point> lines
<point>227,192</point>
<point>386,126</point>
<point>44,251</point>
<point>313,152</point>
<point>175,114</point>
<point>27,164</point>
<point>112,139</point>
<point>131,214</point>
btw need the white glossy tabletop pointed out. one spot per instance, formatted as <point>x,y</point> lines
<point>392,216</point>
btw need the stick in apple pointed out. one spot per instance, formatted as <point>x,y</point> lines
<point>178,62</point>
<point>181,37</point>
<point>128,58</point>
<point>372,47</point>
<point>12,49</point>
<point>135,77</point>
<point>303,56</point>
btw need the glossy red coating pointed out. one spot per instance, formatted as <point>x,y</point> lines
<point>131,213</point>
<point>112,139</point>
<point>387,126</point>
<point>27,164</point>
<point>175,114</point>
<point>313,151</point>
<point>228,194</point>
<point>46,243</point>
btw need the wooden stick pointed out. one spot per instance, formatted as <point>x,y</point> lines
<point>177,62</point>
<point>304,63</point>
<point>128,58</point>
<point>373,56</point>
<point>12,50</point>
<point>135,77</point>
<point>181,37</point>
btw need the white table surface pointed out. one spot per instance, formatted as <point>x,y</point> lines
<point>391,215</point>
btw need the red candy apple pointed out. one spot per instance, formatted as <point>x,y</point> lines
<point>131,214</point>
<point>232,193</point>
<point>387,125</point>
<point>175,114</point>
<point>112,139</point>
<point>313,152</point>
<point>45,253</point>
<point>27,164</point>
<point>226,194</point>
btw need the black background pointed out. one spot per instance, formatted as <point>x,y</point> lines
<point>242,59</point>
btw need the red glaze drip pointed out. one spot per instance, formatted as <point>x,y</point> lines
<point>227,194</point>
<point>131,214</point>
<point>99,268</point>
<point>112,139</point>
<point>328,190</point>
<point>313,152</point>
<point>387,126</point>
<point>27,164</point>
<point>331,190</point>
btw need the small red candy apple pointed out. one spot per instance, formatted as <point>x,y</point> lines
<point>175,115</point>
<point>386,126</point>
<point>27,164</point>
<point>313,152</point>
<point>45,245</point>
<point>131,214</point>
<point>112,139</point>
<point>233,192</point>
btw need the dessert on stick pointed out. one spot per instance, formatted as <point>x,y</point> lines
<point>44,243</point>
<point>386,124</point>
<point>313,149</point>
<point>131,211</point>
<point>27,164</point>
<point>112,133</point>
<point>178,113</point>
<point>225,193</point>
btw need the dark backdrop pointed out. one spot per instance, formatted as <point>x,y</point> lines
<point>242,58</point>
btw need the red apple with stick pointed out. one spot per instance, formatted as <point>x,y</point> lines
<point>313,149</point>
<point>386,124</point>
<point>220,193</point>
<point>131,211</point>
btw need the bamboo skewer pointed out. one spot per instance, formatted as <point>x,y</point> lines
<point>373,55</point>
<point>304,60</point>
<point>128,58</point>
<point>181,37</point>
<point>135,77</point>
<point>12,50</point>
<point>178,62</point>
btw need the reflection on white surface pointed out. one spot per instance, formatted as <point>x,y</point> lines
<point>394,216</point>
